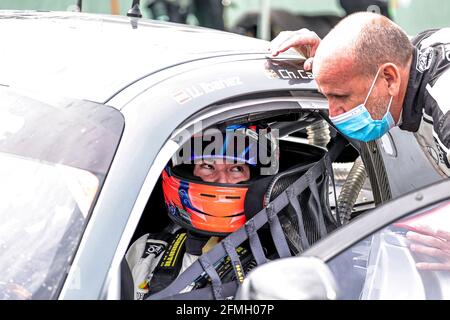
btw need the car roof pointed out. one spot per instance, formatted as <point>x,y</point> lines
<point>92,56</point>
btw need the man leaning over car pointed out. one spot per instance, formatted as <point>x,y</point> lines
<point>374,79</point>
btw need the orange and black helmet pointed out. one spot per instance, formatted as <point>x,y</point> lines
<point>214,208</point>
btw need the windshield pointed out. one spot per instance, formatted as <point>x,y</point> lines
<point>54,156</point>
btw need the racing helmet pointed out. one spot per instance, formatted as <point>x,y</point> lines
<point>211,208</point>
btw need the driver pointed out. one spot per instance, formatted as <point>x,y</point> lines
<point>205,201</point>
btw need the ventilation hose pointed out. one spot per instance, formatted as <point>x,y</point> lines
<point>351,189</point>
<point>341,171</point>
<point>318,133</point>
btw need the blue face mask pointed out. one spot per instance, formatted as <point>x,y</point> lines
<point>358,124</point>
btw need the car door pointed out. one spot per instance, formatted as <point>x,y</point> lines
<point>399,251</point>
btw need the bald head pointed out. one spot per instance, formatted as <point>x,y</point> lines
<point>362,42</point>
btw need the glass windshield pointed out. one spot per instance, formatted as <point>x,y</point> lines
<point>54,156</point>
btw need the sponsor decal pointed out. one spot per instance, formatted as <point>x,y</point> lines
<point>288,74</point>
<point>200,89</point>
<point>169,259</point>
<point>182,96</point>
<point>446,50</point>
<point>154,248</point>
<point>239,272</point>
<point>424,58</point>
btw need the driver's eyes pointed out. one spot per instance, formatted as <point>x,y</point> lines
<point>207,166</point>
<point>237,169</point>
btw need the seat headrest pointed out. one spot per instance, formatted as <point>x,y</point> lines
<point>295,160</point>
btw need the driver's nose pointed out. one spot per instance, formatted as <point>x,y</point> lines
<point>222,177</point>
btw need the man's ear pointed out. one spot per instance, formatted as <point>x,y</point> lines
<point>391,74</point>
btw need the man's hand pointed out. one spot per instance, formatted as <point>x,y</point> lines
<point>304,41</point>
<point>433,243</point>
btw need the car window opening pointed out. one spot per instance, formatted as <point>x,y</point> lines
<point>185,213</point>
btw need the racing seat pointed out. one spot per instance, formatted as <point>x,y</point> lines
<point>313,220</point>
<point>297,214</point>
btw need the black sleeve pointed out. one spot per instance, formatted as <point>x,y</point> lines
<point>423,35</point>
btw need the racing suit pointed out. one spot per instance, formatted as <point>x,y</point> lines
<point>155,260</point>
<point>426,108</point>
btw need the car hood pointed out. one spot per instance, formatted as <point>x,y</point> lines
<point>90,56</point>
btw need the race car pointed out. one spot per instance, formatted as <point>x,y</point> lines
<point>95,106</point>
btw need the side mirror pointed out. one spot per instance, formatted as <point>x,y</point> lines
<point>296,278</point>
